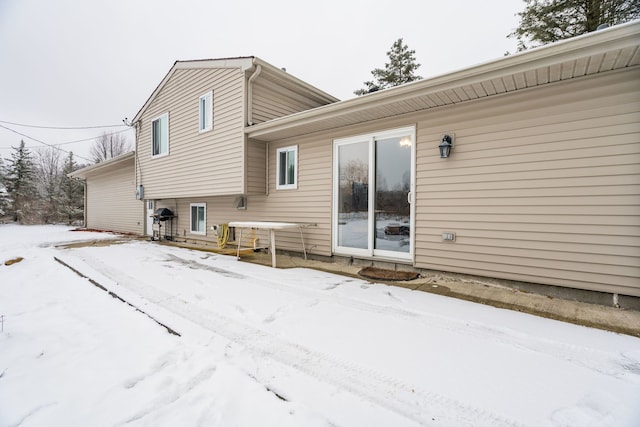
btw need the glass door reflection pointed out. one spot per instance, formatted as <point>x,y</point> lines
<point>353,195</point>
<point>393,184</point>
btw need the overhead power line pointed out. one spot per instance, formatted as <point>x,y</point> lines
<point>67,142</point>
<point>42,142</point>
<point>92,139</point>
<point>61,127</point>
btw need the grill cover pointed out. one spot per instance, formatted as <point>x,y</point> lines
<point>163,214</point>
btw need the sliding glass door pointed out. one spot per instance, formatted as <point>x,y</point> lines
<point>373,181</point>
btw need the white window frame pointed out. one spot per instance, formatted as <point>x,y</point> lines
<point>370,139</point>
<point>161,117</point>
<point>205,119</point>
<point>204,228</point>
<point>287,185</point>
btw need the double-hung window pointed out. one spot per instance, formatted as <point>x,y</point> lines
<point>287,168</point>
<point>205,108</point>
<point>160,136</point>
<point>198,218</point>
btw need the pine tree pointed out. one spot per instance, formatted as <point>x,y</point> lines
<point>547,21</point>
<point>20,184</point>
<point>71,203</point>
<point>399,70</point>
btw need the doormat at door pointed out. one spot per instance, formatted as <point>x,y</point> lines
<point>382,274</point>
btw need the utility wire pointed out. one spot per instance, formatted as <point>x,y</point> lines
<point>61,127</point>
<point>92,139</point>
<point>68,142</point>
<point>44,143</point>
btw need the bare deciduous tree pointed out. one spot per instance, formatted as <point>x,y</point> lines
<point>36,189</point>
<point>4,195</point>
<point>48,171</point>
<point>108,146</point>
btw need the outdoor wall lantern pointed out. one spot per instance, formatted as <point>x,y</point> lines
<point>445,146</point>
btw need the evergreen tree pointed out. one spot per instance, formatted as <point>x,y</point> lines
<point>71,203</point>
<point>20,184</point>
<point>399,70</point>
<point>547,21</point>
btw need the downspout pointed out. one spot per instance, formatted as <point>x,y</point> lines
<point>255,75</point>
<point>84,208</point>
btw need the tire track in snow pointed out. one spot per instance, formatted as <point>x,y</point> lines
<point>618,366</point>
<point>421,406</point>
<point>176,394</point>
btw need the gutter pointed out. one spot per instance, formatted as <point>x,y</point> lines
<point>617,37</point>
<point>82,173</point>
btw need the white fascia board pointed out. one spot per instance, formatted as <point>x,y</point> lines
<point>242,63</point>
<point>88,170</point>
<point>616,37</point>
<point>291,78</point>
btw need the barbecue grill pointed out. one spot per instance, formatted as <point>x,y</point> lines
<point>160,217</point>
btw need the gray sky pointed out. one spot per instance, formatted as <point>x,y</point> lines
<point>72,63</point>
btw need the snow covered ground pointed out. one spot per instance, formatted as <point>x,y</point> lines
<point>266,347</point>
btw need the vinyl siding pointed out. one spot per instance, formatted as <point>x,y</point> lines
<point>219,210</point>
<point>207,163</point>
<point>310,203</point>
<point>256,168</point>
<point>111,202</point>
<point>541,186</point>
<point>271,101</point>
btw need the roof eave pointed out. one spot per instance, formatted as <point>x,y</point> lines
<point>243,63</point>
<point>107,164</point>
<point>304,86</point>
<point>593,43</point>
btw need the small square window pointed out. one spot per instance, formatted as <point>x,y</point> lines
<point>160,135</point>
<point>205,107</point>
<point>198,218</point>
<point>287,168</point>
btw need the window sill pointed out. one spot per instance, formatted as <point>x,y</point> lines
<point>286,187</point>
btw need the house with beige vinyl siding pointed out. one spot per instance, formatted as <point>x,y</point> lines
<point>542,183</point>
<point>109,191</point>
<point>190,139</point>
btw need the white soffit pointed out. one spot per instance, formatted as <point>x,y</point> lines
<point>606,50</point>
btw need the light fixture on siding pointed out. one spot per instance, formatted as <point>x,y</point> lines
<point>445,146</point>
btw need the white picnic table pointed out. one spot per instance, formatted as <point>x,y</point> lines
<point>272,226</point>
